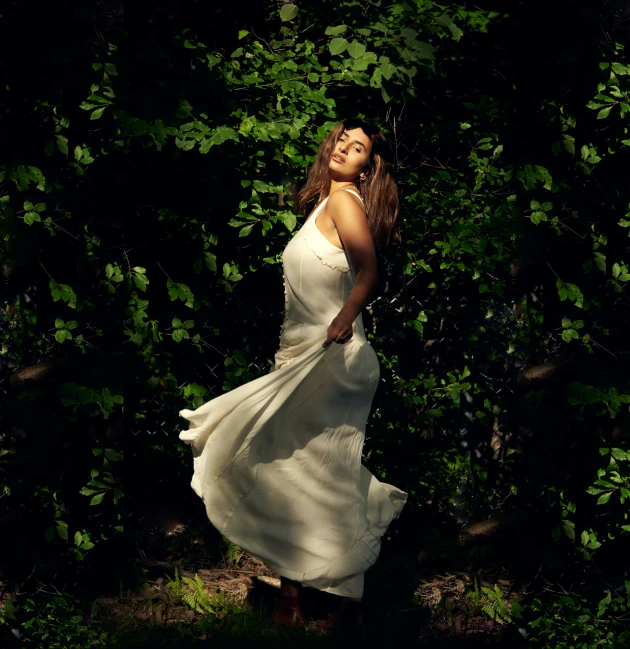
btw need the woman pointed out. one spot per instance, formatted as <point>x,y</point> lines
<point>278,461</point>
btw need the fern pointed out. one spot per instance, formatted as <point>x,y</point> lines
<point>491,602</point>
<point>233,553</point>
<point>174,585</point>
<point>196,596</point>
<point>192,592</point>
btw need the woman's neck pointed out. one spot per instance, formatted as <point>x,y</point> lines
<point>340,184</point>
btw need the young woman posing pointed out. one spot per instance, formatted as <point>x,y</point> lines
<point>278,461</point>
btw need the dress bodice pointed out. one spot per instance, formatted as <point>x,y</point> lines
<point>318,277</point>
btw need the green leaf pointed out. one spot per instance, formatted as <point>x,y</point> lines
<point>604,498</point>
<point>31,217</point>
<point>211,261</point>
<point>566,323</point>
<point>376,80</point>
<point>337,45</point>
<point>388,70</point>
<point>569,143</point>
<point>96,500</point>
<point>62,335</point>
<point>62,144</point>
<point>603,113</point>
<point>97,113</point>
<point>246,126</point>
<point>356,49</point>
<point>289,220</point>
<point>569,334</point>
<point>113,455</point>
<point>62,530</point>
<point>445,21</point>
<point>619,454</point>
<point>243,232</point>
<point>600,261</point>
<point>335,31</point>
<point>569,529</point>
<point>178,335</point>
<point>141,282</point>
<point>59,323</point>
<point>222,134</point>
<point>288,12</point>
<point>617,68</point>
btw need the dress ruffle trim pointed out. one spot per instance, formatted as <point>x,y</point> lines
<point>326,257</point>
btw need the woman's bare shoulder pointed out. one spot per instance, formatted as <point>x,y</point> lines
<point>346,202</point>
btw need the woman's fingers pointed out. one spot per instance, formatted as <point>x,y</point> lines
<point>337,336</point>
<point>330,336</point>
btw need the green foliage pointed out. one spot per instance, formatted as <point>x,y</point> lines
<point>231,551</point>
<point>492,602</point>
<point>575,620</point>
<point>144,207</point>
<point>192,592</point>
<point>58,622</point>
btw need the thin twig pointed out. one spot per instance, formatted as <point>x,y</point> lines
<point>564,225</point>
<point>47,273</point>
<point>606,350</point>
<point>553,271</point>
<point>158,263</point>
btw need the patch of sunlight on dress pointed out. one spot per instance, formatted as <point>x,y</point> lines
<point>277,461</point>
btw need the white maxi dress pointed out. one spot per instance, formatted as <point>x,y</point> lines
<point>277,461</point>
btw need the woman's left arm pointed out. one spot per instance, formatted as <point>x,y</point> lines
<point>349,219</point>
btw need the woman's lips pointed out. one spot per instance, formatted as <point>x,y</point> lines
<point>337,158</point>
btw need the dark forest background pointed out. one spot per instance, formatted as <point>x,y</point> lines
<point>148,158</point>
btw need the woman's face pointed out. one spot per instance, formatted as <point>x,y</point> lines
<point>351,155</point>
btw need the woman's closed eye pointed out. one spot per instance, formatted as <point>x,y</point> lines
<point>356,148</point>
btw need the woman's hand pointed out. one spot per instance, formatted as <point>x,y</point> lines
<point>340,330</point>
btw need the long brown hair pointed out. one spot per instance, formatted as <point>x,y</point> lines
<point>379,190</point>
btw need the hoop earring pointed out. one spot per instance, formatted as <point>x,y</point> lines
<point>362,177</point>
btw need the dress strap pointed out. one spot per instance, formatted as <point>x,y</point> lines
<point>352,191</point>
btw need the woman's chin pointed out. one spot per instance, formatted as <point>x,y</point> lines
<point>337,174</point>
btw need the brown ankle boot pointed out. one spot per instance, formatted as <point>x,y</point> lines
<point>348,617</point>
<point>287,611</point>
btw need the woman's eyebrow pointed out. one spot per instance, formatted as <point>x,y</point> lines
<point>345,134</point>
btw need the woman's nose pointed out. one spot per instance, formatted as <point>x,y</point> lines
<point>342,147</point>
